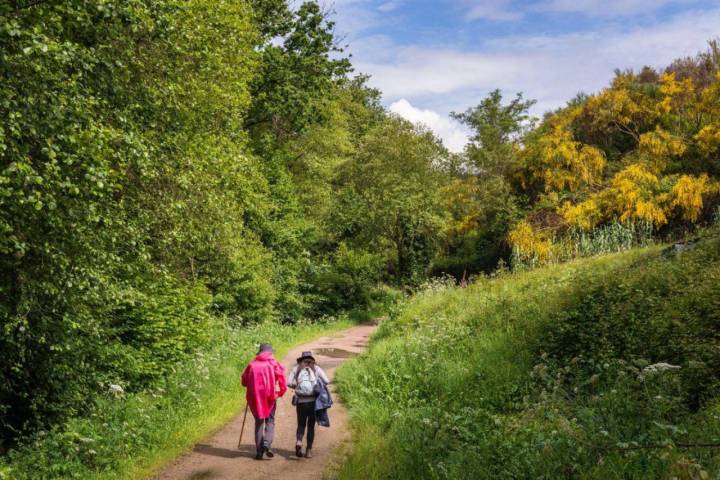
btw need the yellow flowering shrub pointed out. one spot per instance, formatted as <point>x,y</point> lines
<point>642,151</point>
<point>560,162</point>
<point>710,98</point>
<point>677,95</point>
<point>613,106</point>
<point>660,144</point>
<point>620,108</point>
<point>584,215</point>
<point>635,194</point>
<point>632,195</point>
<point>461,199</point>
<point>708,139</point>
<point>530,243</point>
<point>687,195</point>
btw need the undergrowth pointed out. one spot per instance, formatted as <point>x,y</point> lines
<point>605,367</point>
<point>130,435</point>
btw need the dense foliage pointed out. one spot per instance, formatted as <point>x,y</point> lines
<point>600,368</point>
<point>644,150</point>
<point>166,167</point>
<point>123,180</point>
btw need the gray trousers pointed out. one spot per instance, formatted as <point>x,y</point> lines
<point>265,431</point>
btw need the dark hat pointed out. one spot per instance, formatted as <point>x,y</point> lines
<point>304,356</point>
<point>265,347</point>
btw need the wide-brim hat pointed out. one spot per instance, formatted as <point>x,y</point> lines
<point>304,356</point>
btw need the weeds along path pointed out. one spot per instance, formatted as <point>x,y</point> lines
<point>219,457</point>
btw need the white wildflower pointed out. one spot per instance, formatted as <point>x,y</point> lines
<point>656,368</point>
<point>116,390</point>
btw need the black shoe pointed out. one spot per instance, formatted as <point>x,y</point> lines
<point>298,451</point>
<point>269,452</point>
<point>258,456</point>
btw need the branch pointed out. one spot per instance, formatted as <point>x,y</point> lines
<point>626,129</point>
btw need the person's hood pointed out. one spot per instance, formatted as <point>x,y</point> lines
<point>265,357</point>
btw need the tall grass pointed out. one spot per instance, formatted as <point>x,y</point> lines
<point>131,436</point>
<point>545,374</point>
<point>611,238</point>
<point>576,243</point>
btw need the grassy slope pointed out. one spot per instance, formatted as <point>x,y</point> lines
<point>133,436</point>
<point>540,375</point>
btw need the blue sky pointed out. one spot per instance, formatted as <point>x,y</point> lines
<point>433,57</point>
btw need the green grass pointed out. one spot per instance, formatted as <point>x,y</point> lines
<point>132,436</point>
<point>541,375</point>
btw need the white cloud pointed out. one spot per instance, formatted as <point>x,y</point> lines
<point>505,10</point>
<point>452,133</point>
<point>414,71</point>
<point>497,10</point>
<point>605,8</point>
<point>389,6</point>
<point>551,69</point>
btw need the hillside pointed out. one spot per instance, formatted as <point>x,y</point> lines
<point>605,367</point>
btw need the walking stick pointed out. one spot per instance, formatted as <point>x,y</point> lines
<point>242,429</point>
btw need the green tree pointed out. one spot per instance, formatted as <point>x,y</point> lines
<point>125,190</point>
<point>388,198</point>
<point>292,85</point>
<point>482,200</point>
<point>301,127</point>
<point>497,128</point>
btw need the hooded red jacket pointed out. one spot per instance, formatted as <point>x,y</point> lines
<point>264,378</point>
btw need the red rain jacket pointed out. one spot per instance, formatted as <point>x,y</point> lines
<point>264,378</point>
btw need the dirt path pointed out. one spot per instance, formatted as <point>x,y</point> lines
<point>219,458</point>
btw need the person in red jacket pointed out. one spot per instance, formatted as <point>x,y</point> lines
<point>264,379</point>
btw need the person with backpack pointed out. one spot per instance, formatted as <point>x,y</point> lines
<point>264,379</point>
<point>305,379</point>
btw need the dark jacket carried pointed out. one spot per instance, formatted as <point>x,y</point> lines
<point>322,403</point>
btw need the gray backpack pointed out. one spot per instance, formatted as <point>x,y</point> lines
<point>306,381</point>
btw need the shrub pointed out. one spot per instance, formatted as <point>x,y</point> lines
<point>348,281</point>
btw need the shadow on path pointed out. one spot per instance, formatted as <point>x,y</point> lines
<point>245,451</point>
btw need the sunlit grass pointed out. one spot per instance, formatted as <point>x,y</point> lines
<point>131,437</point>
<point>479,383</point>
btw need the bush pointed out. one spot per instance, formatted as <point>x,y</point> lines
<point>348,281</point>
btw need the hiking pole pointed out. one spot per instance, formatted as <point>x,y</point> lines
<point>242,429</point>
